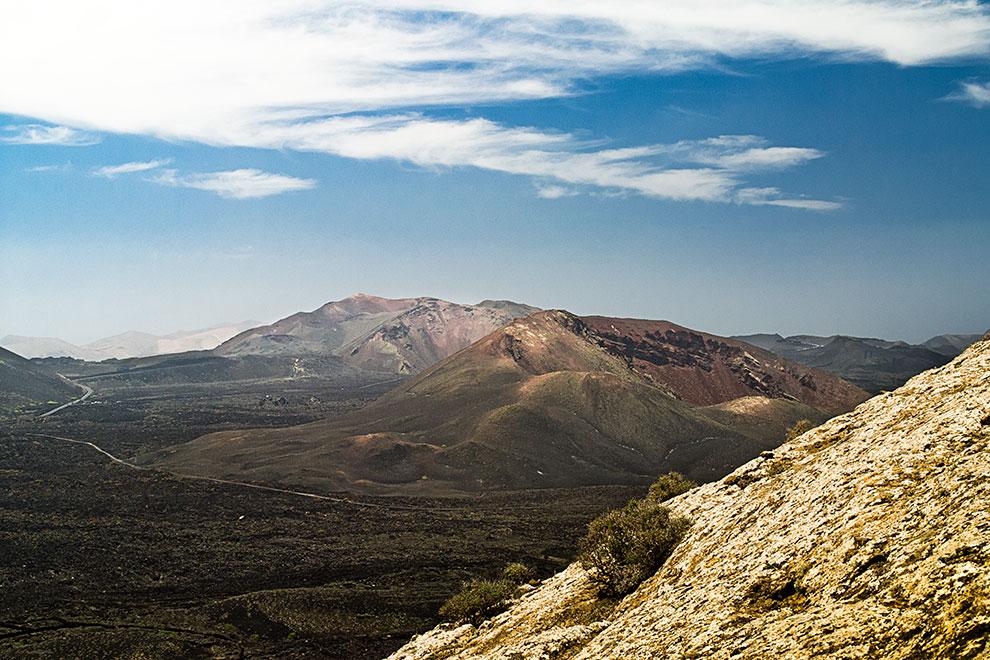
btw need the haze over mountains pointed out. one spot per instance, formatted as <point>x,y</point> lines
<point>126,345</point>
<point>873,364</point>
<point>551,399</point>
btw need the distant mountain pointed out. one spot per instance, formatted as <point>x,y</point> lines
<point>38,347</point>
<point>873,364</point>
<point>951,345</point>
<point>126,345</point>
<point>401,336</point>
<point>24,383</point>
<point>548,400</point>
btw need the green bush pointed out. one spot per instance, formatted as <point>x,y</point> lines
<point>479,599</point>
<point>799,427</point>
<point>628,545</point>
<point>669,485</point>
<point>517,573</point>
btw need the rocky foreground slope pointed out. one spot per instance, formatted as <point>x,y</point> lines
<point>867,537</point>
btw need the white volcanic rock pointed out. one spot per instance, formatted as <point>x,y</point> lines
<point>867,537</point>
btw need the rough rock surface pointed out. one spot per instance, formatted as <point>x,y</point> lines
<point>866,537</point>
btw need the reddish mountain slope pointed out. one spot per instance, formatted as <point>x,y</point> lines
<point>545,401</point>
<point>402,336</point>
<point>706,369</point>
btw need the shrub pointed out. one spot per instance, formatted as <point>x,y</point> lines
<point>669,485</point>
<point>517,573</point>
<point>628,545</point>
<point>479,599</point>
<point>799,427</point>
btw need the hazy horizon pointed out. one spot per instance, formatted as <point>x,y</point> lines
<point>84,339</point>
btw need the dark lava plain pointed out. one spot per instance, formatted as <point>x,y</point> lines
<point>101,560</point>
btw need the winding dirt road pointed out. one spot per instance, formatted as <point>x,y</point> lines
<point>87,392</point>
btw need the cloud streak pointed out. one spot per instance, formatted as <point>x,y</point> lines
<point>42,169</point>
<point>974,93</point>
<point>62,136</point>
<point>111,171</point>
<point>235,184</point>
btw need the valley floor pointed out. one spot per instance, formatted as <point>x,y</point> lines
<point>99,559</point>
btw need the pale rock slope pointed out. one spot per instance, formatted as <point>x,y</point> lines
<point>867,537</point>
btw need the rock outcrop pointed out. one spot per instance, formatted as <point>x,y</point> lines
<point>867,537</point>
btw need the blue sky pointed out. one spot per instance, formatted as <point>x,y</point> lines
<point>713,168</point>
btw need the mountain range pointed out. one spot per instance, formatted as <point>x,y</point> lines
<point>873,364</point>
<point>866,537</point>
<point>126,345</point>
<point>402,336</point>
<point>551,399</point>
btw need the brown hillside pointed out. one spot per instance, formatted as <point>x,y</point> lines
<point>539,403</point>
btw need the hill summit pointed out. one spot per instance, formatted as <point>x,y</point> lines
<point>866,537</point>
<point>395,335</point>
<point>549,400</point>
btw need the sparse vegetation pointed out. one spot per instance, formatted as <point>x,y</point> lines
<point>479,599</point>
<point>517,573</point>
<point>628,545</point>
<point>799,427</point>
<point>669,485</point>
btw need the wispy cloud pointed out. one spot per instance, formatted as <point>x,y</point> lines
<point>63,136</point>
<point>40,169</point>
<point>774,197</point>
<point>110,171</point>
<point>705,170</point>
<point>236,184</point>
<point>554,192</point>
<point>340,78</point>
<point>972,92</point>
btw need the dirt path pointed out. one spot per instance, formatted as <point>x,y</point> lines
<point>87,392</point>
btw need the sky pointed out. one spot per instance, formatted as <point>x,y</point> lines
<point>733,166</point>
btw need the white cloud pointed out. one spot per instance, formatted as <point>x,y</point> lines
<point>340,78</point>
<point>554,192</point>
<point>236,184</point>
<point>48,168</point>
<point>774,197</point>
<point>975,93</point>
<point>63,136</point>
<point>110,171</point>
<point>706,170</point>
